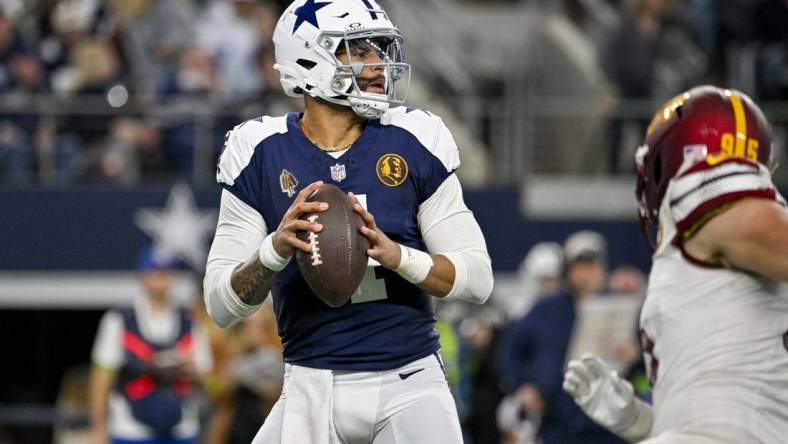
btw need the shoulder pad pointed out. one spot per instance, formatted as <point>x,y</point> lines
<point>429,130</point>
<point>706,187</point>
<point>240,144</point>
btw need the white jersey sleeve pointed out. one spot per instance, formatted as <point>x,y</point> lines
<point>239,233</point>
<point>449,228</point>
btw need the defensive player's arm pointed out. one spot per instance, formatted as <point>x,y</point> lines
<point>244,260</point>
<point>750,234</point>
<point>460,267</point>
<point>607,398</point>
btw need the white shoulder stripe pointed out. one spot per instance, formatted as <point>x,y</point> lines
<point>690,192</point>
<point>430,131</point>
<point>686,184</point>
<point>241,142</point>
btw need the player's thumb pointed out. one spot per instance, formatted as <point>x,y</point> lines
<point>624,393</point>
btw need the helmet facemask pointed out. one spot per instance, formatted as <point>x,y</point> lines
<point>646,216</point>
<point>369,60</point>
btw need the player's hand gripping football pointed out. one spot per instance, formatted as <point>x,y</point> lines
<point>606,398</point>
<point>285,241</point>
<point>383,249</point>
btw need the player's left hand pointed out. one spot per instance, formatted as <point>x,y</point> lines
<point>600,392</point>
<point>383,249</point>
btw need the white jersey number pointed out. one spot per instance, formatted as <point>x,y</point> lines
<point>373,286</point>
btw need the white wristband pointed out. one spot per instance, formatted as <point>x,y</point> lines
<point>269,257</point>
<point>414,265</point>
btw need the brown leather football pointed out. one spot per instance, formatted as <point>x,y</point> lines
<point>338,261</point>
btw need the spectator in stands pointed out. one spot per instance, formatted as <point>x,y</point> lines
<point>565,142</point>
<point>231,33</point>
<point>480,388</point>
<point>540,274</point>
<point>64,26</point>
<point>153,35</point>
<point>627,279</point>
<point>147,360</point>
<point>537,346</point>
<point>192,87</point>
<point>93,143</point>
<point>650,55</point>
<point>270,99</point>
<point>770,25</point>
<point>21,76</point>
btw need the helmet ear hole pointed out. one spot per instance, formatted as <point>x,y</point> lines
<point>306,64</point>
<point>657,170</point>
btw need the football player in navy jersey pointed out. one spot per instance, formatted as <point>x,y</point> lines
<point>369,371</point>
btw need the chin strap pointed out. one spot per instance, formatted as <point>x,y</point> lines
<point>368,109</point>
<point>645,230</point>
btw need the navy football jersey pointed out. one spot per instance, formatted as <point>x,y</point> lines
<point>396,164</point>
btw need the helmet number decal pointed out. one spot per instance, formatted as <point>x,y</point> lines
<point>738,145</point>
<point>729,149</point>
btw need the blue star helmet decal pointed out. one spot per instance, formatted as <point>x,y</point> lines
<point>308,13</point>
<point>372,14</point>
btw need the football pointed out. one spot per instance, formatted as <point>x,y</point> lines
<point>338,261</point>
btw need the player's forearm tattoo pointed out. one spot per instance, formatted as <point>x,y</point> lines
<point>252,281</point>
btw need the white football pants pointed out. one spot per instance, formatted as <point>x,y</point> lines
<point>411,404</point>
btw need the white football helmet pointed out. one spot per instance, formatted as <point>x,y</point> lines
<point>307,39</point>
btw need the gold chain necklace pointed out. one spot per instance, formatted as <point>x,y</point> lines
<point>328,149</point>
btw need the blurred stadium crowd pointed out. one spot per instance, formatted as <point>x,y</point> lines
<point>112,91</point>
<point>118,76</point>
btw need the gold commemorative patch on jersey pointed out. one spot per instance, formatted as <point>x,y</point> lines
<point>392,169</point>
<point>287,182</point>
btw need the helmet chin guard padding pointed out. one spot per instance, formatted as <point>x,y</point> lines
<point>311,34</point>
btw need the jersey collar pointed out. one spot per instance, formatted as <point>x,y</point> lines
<point>314,154</point>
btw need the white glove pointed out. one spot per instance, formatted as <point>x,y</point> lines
<point>606,398</point>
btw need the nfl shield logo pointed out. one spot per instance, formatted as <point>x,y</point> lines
<point>338,173</point>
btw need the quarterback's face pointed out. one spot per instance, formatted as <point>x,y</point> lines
<point>371,79</point>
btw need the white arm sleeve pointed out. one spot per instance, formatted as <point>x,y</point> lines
<point>449,229</point>
<point>239,234</point>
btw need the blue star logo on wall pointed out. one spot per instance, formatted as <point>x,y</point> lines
<point>308,13</point>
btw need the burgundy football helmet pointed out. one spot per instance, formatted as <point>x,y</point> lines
<point>706,124</point>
